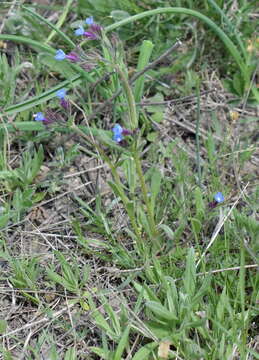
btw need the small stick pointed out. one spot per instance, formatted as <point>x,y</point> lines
<point>166,102</point>
<point>135,77</point>
<point>219,226</point>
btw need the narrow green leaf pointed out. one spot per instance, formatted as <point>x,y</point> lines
<point>100,352</point>
<point>3,326</point>
<point>122,344</point>
<point>155,186</point>
<point>143,60</point>
<point>168,231</point>
<point>55,28</point>
<point>145,351</point>
<point>190,273</point>
<point>42,98</point>
<point>160,310</point>
<point>71,354</point>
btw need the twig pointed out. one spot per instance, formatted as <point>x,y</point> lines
<point>166,102</point>
<point>219,226</point>
<point>41,321</point>
<point>8,14</point>
<point>135,77</point>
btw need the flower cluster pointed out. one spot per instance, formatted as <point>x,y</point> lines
<point>50,117</point>
<point>92,33</point>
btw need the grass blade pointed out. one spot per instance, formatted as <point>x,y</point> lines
<point>55,28</point>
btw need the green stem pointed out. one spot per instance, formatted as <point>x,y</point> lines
<point>130,99</point>
<point>198,134</point>
<point>134,125</point>
<point>143,186</point>
<point>53,27</point>
<point>116,177</point>
<point>46,48</point>
<point>28,41</point>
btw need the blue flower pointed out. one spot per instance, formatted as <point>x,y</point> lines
<point>89,20</point>
<point>61,93</point>
<point>80,31</point>
<point>117,133</point>
<point>39,116</point>
<point>72,56</point>
<point>219,197</point>
<point>60,55</point>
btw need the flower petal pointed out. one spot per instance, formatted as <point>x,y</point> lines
<point>80,31</point>
<point>61,93</point>
<point>60,55</point>
<point>219,197</point>
<point>89,20</point>
<point>39,116</point>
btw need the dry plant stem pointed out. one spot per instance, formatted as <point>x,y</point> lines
<point>166,102</point>
<point>219,226</point>
<point>155,62</point>
<point>135,77</point>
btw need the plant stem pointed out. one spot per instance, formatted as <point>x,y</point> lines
<point>143,186</point>
<point>198,158</point>
<point>130,99</point>
<point>134,125</point>
<point>116,177</point>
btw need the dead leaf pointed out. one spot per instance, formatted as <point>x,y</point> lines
<point>164,348</point>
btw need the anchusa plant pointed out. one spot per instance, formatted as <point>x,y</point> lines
<point>87,62</point>
<point>111,61</point>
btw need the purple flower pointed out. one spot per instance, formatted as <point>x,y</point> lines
<point>73,56</point>
<point>90,35</point>
<point>96,28</point>
<point>117,133</point>
<point>219,197</point>
<point>89,20</point>
<point>126,132</point>
<point>80,31</point>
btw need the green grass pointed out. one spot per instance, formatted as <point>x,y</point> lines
<point>116,251</point>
